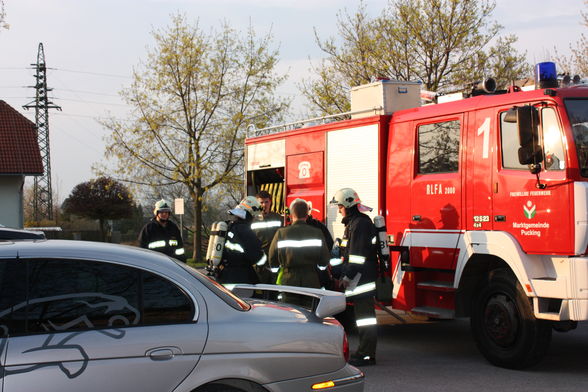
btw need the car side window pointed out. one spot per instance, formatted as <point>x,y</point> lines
<point>438,147</point>
<point>164,302</point>
<point>12,297</point>
<point>509,137</point>
<point>79,295</point>
<point>76,295</point>
<point>552,141</point>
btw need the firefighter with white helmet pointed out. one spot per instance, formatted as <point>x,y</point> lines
<point>242,249</point>
<point>359,272</point>
<point>161,234</point>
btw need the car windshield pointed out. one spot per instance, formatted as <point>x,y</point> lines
<point>224,294</point>
<point>578,115</point>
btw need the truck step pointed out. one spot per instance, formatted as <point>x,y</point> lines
<point>436,286</point>
<point>439,313</point>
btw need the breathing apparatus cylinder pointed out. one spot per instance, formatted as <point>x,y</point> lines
<point>383,251</point>
<point>210,242</point>
<point>216,243</point>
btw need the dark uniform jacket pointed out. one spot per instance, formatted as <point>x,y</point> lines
<point>266,229</point>
<point>325,276</point>
<point>165,239</point>
<point>242,251</point>
<point>298,249</point>
<point>326,233</point>
<point>359,251</point>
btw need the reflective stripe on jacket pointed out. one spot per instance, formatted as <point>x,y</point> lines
<point>298,250</point>
<point>266,229</point>
<point>165,239</point>
<point>242,251</point>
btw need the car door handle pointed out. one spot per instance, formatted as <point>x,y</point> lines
<point>162,353</point>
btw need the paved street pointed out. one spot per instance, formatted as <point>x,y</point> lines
<point>442,356</point>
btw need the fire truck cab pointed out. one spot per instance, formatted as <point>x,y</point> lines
<point>489,194</point>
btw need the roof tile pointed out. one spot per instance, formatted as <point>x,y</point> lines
<point>19,148</point>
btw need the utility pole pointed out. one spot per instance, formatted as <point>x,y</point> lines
<point>43,195</point>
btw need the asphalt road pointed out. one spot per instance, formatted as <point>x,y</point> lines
<point>442,356</point>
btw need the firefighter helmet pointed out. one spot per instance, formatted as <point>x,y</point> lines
<point>346,197</point>
<point>161,206</point>
<point>248,204</point>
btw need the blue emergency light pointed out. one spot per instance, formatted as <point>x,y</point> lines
<point>545,75</point>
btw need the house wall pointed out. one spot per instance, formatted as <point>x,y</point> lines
<point>11,200</point>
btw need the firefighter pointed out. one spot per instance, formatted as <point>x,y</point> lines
<point>242,248</point>
<point>359,254</point>
<point>265,228</point>
<point>325,277</point>
<point>161,234</point>
<point>298,250</point>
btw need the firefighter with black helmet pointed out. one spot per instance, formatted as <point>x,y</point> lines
<point>161,234</point>
<point>359,253</point>
<point>242,249</point>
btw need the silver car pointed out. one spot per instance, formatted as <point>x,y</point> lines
<point>82,316</point>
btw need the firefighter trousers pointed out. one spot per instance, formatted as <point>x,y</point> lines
<point>365,319</point>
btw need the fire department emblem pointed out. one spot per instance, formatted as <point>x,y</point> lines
<point>304,169</point>
<point>530,209</point>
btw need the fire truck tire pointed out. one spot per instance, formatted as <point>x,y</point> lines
<point>504,327</point>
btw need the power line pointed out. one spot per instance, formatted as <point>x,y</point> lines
<point>93,102</point>
<point>71,70</point>
<point>85,92</point>
<point>80,115</point>
<point>92,73</point>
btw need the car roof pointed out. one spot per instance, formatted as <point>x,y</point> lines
<point>70,249</point>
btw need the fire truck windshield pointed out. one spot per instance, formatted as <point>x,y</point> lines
<point>578,114</point>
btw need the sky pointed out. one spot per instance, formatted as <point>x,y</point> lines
<point>91,47</point>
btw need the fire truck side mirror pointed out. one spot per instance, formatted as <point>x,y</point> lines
<point>527,119</point>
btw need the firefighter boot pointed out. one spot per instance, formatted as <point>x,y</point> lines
<point>362,360</point>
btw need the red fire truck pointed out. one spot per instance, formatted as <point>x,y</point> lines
<point>489,195</point>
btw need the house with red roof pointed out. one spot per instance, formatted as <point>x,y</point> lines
<point>19,157</point>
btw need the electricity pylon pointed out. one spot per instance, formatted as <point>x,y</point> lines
<point>43,195</point>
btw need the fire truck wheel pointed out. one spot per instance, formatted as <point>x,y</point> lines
<point>504,327</point>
